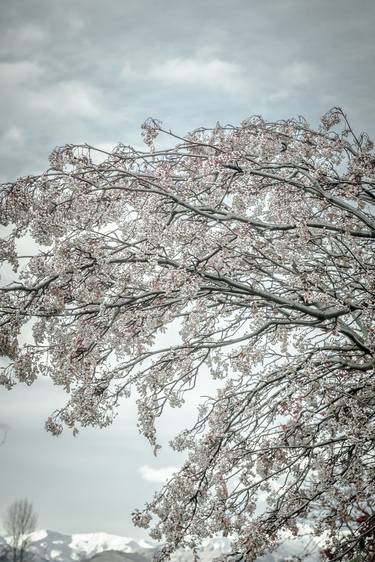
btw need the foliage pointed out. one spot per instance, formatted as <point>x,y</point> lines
<point>255,243</point>
<point>19,522</point>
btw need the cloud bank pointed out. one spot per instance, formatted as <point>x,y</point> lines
<point>159,475</point>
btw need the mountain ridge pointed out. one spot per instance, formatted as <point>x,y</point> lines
<point>52,546</point>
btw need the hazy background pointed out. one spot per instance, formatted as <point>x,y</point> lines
<point>93,71</point>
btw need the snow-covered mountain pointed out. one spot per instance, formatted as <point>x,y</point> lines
<point>54,546</point>
<point>51,546</point>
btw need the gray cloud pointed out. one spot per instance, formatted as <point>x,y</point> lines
<point>93,72</point>
<point>214,73</point>
<point>159,475</point>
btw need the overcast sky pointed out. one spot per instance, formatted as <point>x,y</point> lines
<point>93,71</point>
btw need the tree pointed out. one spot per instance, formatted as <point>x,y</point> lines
<point>255,244</point>
<point>19,522</point>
